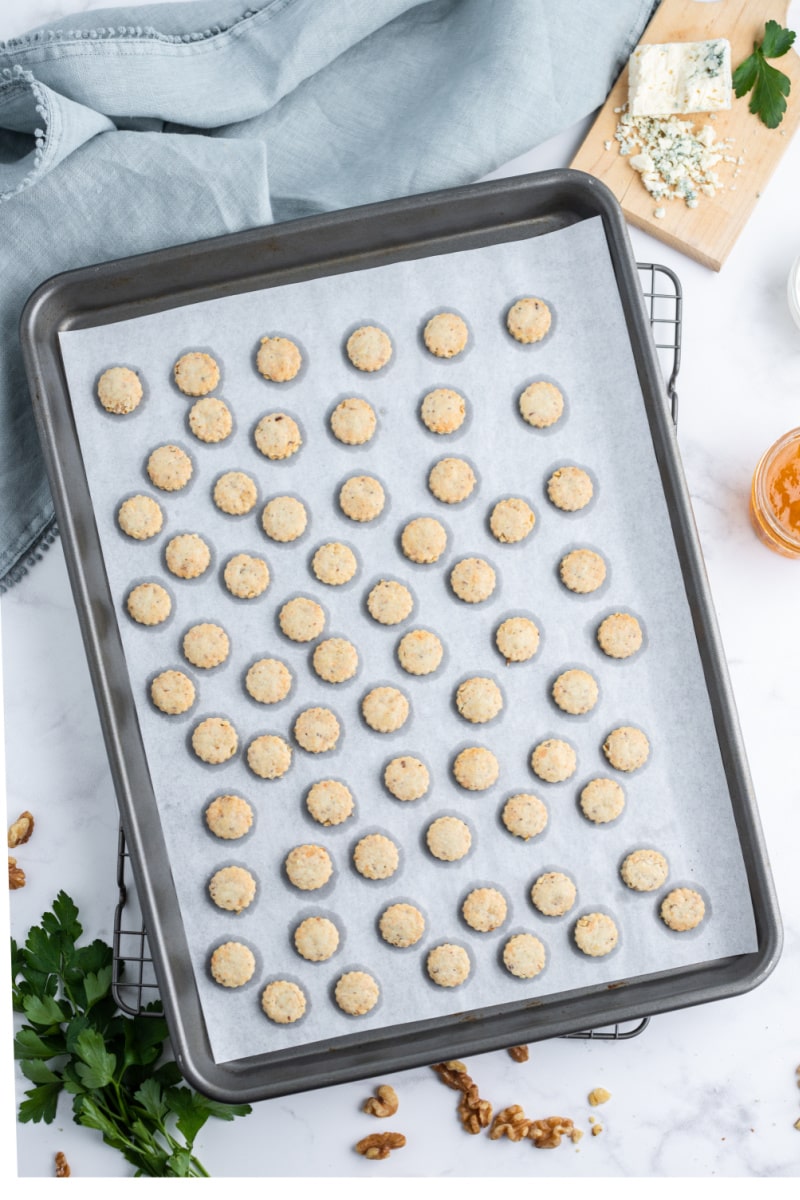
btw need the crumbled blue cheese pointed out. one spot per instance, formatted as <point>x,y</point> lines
<point>675,161</point>
<point>679,77</point>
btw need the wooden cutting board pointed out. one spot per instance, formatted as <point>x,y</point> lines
<point>708,232</point>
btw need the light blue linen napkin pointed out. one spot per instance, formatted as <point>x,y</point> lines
<point>126,130</point>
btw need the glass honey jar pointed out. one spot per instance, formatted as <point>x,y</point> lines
<point>775,496</point>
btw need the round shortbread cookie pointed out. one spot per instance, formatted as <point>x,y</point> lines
<point>284,519</point>
<point>329,802</point>
<point>316,939</point>
<point>645,870</point>
<point>356,993</point>
<point>517,639</point>
<point>353,421</point>
<point>448,965</point>
<point>575,692</point>
<point>246,576</point>
<point>308,867</point>
<point>524,815</point>
<point>512,520</point>
<point>479,700</point>
<point>172,692</point>
<point>541,404</point>
<point>407,778</point>
<point>423,540</point>
<point>206,645</point>
<point>149,604</point>
<point>361,498</point>
<point>445,335</point>
<point>187,556</point>
<point>528,320</point>
<point>473,580</point>
<point>235,493</point>
<point>277,436</point>
<point>554,760</point>
<point>553,894</point>
<point>443,410</point>
<point>196,374</point>
<point>278,359</point>
<point>385,709</point>
<point>369,348</point>
<point>602,800</point>
<point>476,769</point>
<point>682,909</point>
<point>301,619</point>
<point>451,480</point>
<point>269,756</point>
<point>570,489</point>
<point>620,635</point>
<point>229,817</point>
<point>268,681</point>
<point>283,1002</point>
<point>119,390</point>
<point>390,602</point>
<point>596,934</point>
<point>215,740</point>
<point>484,909</point>
<point>140,517</point>
<point>169,468</point>
<point>335,660</point>
<point>448,839</point>
<point>334,564</point>
<point>626,748</point>
<point>420,652</point>
<point>401,925</point>
<point>232,965</point>
<point>376,857</point>
<point>210,420</point>
<point>316,730</point>
<point>232,888</point>
<point>524,956</point>
<point>582,571</point>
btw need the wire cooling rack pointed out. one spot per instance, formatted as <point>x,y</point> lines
<point>134,984</point>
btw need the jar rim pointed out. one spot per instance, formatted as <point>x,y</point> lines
<point>778,531</point>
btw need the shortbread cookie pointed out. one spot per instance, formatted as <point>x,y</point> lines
<point>232,888</point>
<point>524,956</point>
<point>356,993</point>
<point>645,870</point>
<point>335,660</point>
<point>602,800</point>
<point>541,404</point>
<point>570,488</point>
<point>528,320</point>
<point>353,421</point>
<point>575,692</point>
<point>473,580</point>
<point>232,965</point>
<point>479,700</point>
<point>235,493</point>
<point>448,839</point>
<point>277,436</point>
<point>553,894</point>
<point>517,639</point>
<point>149,604</point>
<point>140,517</point>
<point>596,934</point>
<point>385,709</point>
<point>554,760</point>
<point>169,468</point>
<point>376,857</point>
<point>423,540</point>
<point>196,374</point>
<point>187,556</point>
<point>278,359</point>
<point>268,681</point>
<point>269,756</point>
<point>683,909</point>
<point>283,1002</point>
<point>172,692</point>
<point>448,965</point>
<point>308,867</point>
<point>401,925</point>
<point>361,498</point>
<point>334,564</point>
<point>246,576</point>
<point>206,645</point>
<point>229,817</point>
<point>301,619</point>
<point>512,520</point>
<point>329,802</point>
<point>316,730</point>
<point>582,571</point>
<point>284,519</point>
<point>316,939</point>
<point>390,602</point>
<point>445,335</point>
<point>620,635</point>
<point>119,390</point>
<point>626,748</point>
<point>451,480</point>
<point>215,740</point>
<point>443,410</point>
<point>476,769</point>
<point>484,909</point>
<point>524,815</point>
<point>369,348</point>
<point>210,420</point>
<point>420,652</point>
<point>407,778</point>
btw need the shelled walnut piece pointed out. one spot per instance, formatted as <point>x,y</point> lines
<point>475,1113</point>
<point>547,1133</point>
<point>16,875</point>
<point>512,1123</point>
<point>380,1145</point>
<point>383,1104</point>
<point>519,1053</point>
<point>20,831</point>
<point>62,1166</point>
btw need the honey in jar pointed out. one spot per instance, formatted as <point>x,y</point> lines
<point>775,496</point>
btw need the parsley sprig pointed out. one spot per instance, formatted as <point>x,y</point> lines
<point>76,1041</point>
<point>770,86</point>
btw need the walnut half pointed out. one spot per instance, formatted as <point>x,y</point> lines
<point>519,1053</point>
<point>512,1123</point>
<point>379,1145</point>
<point>62,1166</point>
<point>547,1133</point>
<point>383,1104</point>
<point>16,875</point>
<point>19,833</point>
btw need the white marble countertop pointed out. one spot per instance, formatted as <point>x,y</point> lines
<point>703,1092</point>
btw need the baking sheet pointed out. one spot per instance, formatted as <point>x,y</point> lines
<point>678,803</point>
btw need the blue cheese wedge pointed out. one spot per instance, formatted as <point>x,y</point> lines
<point>680,77</point>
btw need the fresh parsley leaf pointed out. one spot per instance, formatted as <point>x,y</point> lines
<point>769,86</point>
<point>96,985</point>
<point>38,1071</point>
<point>43,1010</point>
<point>40,1104</point>
<point>28,1044</point>
<point>151,1097</point>
<point>96,1067</point>
<point>777,40</point>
